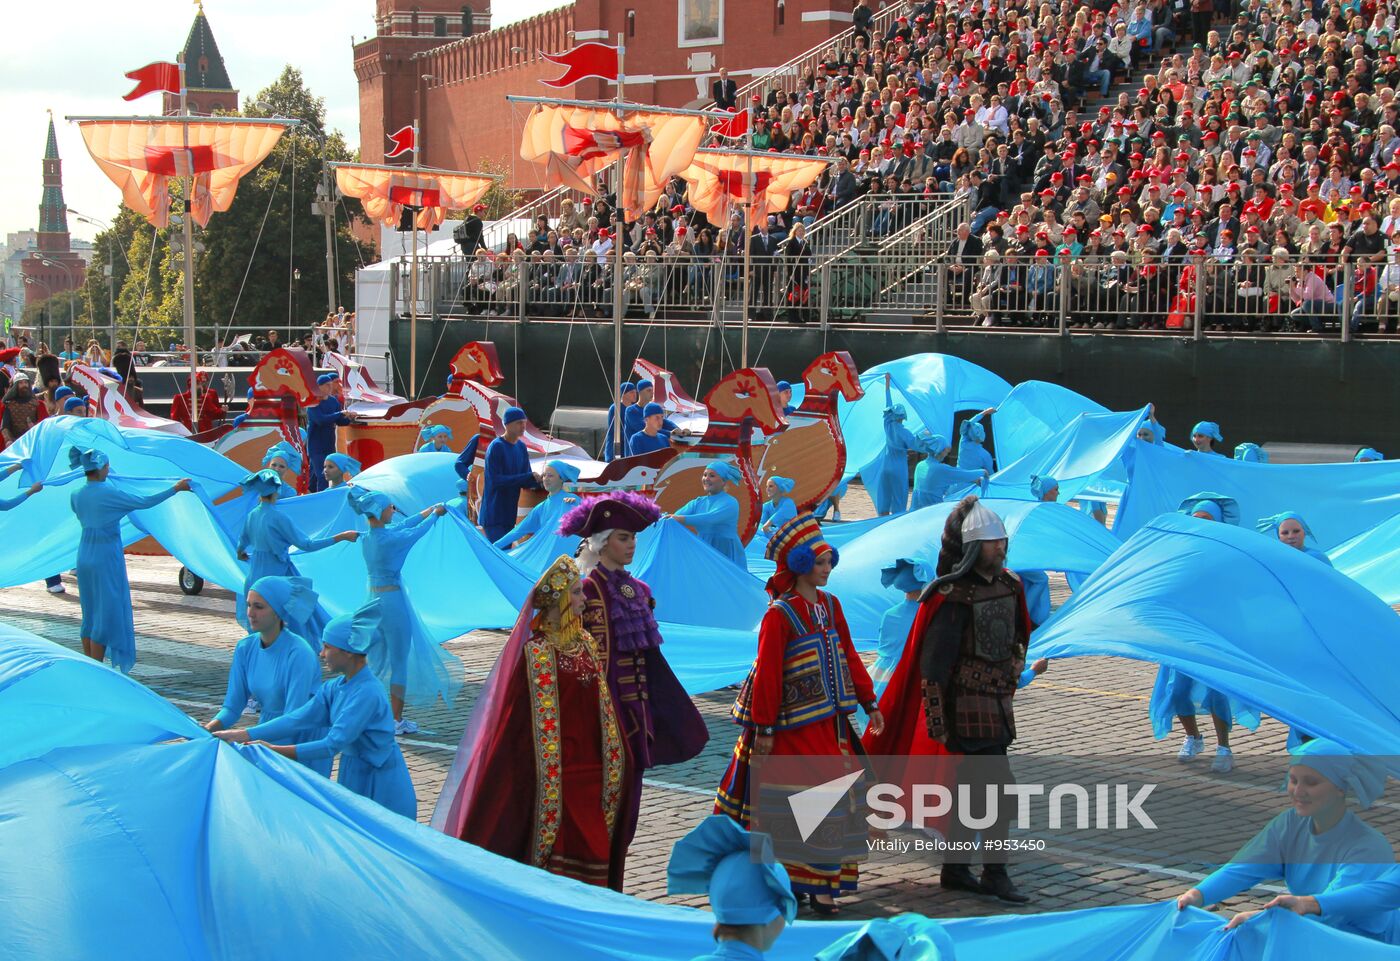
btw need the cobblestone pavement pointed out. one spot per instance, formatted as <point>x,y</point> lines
<point>1082,706</point>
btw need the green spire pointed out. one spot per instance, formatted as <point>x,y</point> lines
<point>53,212</point>
<point>204,65</point>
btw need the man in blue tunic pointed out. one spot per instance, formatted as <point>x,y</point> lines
<point>321,422</point>
<point>507,473</point>
<point>627,395</point>
<point>714,515</point>
<point>653,435</point>
<point>634,417</point>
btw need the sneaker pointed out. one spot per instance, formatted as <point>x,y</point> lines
<point>254,706</point>
<point>1224,761</point>
<point>1190,747</point>
<point>835,515</point>
<point>405,727</point>
<point>56,589</point>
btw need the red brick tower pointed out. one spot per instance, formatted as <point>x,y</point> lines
<point>64,270</point>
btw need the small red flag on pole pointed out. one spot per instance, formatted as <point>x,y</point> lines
<point>405,141</point>
<point>154,77</point>
<point>733,128</point>
<point>590,59</point>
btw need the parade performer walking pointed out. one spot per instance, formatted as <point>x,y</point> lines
<point>659,721</point>
<point>540,772</point>
<point>953,690</point>
<point>321,422</point>
<point>268,536</point>
<point>349,716</point>
<point>283,457</point>
<point>891,493</point>
<point>339,469</point>
<point>1204,437</point>
<point>506,474</point>
<point>543,519</point>
<point>714,515</point>
<point>108,628</point>
<point>798,699</point>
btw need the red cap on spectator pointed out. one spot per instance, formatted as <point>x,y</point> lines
<point>1289,187</point>
<point>755,99</point>
<point>1058,177</point>
<point>969,113</point>
<point>1064,252</point>
<point>1197,212</point>
<point>1178,192</point>
<point>1085,127</point>
<point>1119,233</point>
<point>1182,155</point>
<point>1095,233</point>
<point>1158,135</point>
<point>1042,235</point>
<point>1047,192</point>
<point>1211,135</point>
<point>1125,191</point>
<point>1023,229</point>
<point>1084,178</point>
<point>678,209</point>
<point>1250,152</point>
<point>1391,166</point>
<point>1232,186</point>
<point>478,208</point>
<point>1234,55</point>
<point>1356,189</point>
<point>588,201</point>
<point>1143,92</point>
<point>603,233</point>
<point>1103,110</point>
<point>1144,229</point>
<point>1135,156</point>
<point>1042,252</point>
<point>1364,206</point>
<point>651,231</point>
<point>1071,232</point>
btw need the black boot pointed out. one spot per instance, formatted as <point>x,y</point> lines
<point>959,877</point>
<point>996,882</point>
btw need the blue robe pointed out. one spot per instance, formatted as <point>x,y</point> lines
<point>508,472</point>
<point>1177,695</point>
<point>267,536</point>
<point>431,448</point>
<point>103,588</point>
<point>973,456</point>
<point>321,422</point>
<point>281,678</point>
<point>1313,552</point>
<point>934,479</point>
<point>715,520</point>
<point>891,494</point>
<point>1350,853</point>
<point>608,438</point>
<point>543,521</point>
<point>776,514</point>
<point>633,421</point>
<point>895,625</point>
<point>1037,585</point>
<point>829,501</point>
<point>402,650</point>
<point>1369,907</point>
<point>358,725</point>
<point>642,443</point>
<point>11,503</point>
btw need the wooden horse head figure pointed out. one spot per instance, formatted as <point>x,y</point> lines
<point>669,393</point>
<point>812,451</point>
<point>109,403</point>
<point>832,372</point>
<point>476,361</point>
<point>286,370</point>
<point>359,385</point>
<point>746,398</point>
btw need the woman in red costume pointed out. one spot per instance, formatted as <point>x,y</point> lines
<point>798,700</point>
<point>540,772</point>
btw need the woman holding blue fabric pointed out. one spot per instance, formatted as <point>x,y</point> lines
<point>714,515</point>
<point>908,575</point>
<point>348,715</point>
<point>435,439</point>
<point>108,628</point>
<point>12,502</point>
<point>779,508</point>
<point>285,459</point>
<point>1036,583</point>
<point>972,435</point>
<point>935,478</point>
<point>1204,437</point>
<point>339,470</point>
<point>1317,847</point>
<point>1290,528</point>
<point>385,550</point>
<point>891,493</point>
<point>1251,454</point>
<point>543,519</point>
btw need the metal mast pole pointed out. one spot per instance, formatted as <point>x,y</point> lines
<point>413,287</point>
<point>619,227</point>
<point>748,237</point>
<point>190,339</point>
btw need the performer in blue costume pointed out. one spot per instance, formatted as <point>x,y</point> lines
<point>908,575</point>
<point>435,439</point>
<point>274,669</point>
<point>1367,455</point>
<point>340,469</point>
<point>627,397</point>
<point>634,415</point>
<point>396,638</point>
<point>884,939</point>
<point>1176,694</point>
<point>108,628</point>
<point>1037,583</point>
<point>321,422</point>
<point>935,478</point>
<point>1149,431</point>
<point>1369,907</point>
<point>543,519</point>
<point>348,715</point>
<point>1290,528</point>
<point>1251,454</point>
<point>1204,437</point>
<point>832,503</point>
<point>971,436</point>
<point>506,474</point>
<point>750,893</point>
<point>267,536</point>
<point>76,406</point>
<point>1317,847</point>
<point>714,515</point>
<point>240,418</point>
<point>779,508</point>
<point>653,434</point>
<point>785,397</point>
<point>11,503</point>
<point>891,494</point>
<point>280,457</point>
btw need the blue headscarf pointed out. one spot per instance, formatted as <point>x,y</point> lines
<point>1154,428</point>
<point>1270,525</point>
<point>972,430</point>
<point>932,443</point>
<point>565,470</point>
<point>784,484</point>
<point>1367,454</point>
<point>726,470</point>
<point>1042,484</point>
<point>907,574</point>
<point>352,632</point>
<point>1218,506</point>
<point>652,409</point>
<point>330,378</point>
<point>1361,776</point>
<point>285,451</point>
<point>888,940</point>
<point>367,503</point>
<point>264,483</point>
<point>736,869</point>
<point>1251,454</point>
<point>436,430</point>
<point>291,597</point>
<point>897,412</point>
<point>512,414</point>
<point>89,459</point>
<point>346,463</point>
<point>1210,429</point>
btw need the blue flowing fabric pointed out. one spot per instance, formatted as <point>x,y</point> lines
<point>1033,412</point>
<point>1372,559</point>
<point>1043,536</point>
<point>1089,455</point>
<point>691,586</point>
<point>90,804</point>
<point>932,388</point>
<point>1273,628</point>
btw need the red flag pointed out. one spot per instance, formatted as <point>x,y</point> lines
<point>590,59</point>
<point>734,127</point>
<point>153,77</point>
<point>416,196</point>
<point>405,140</point>
<point>586,144</point>
<point>733,181</point>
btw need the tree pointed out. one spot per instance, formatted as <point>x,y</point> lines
<point>112,246</point>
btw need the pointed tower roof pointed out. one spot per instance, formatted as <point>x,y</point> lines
<point>204,65</point>
<point>53,212</point>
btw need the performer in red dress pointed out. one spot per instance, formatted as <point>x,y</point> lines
<point>211,411</point>
<point>540,772</point>
<point>798,700</point>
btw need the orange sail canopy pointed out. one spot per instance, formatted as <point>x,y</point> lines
<point>142,154</point>
<point>718,179</point>
<point>386,190</point>
<point>574,143</point>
